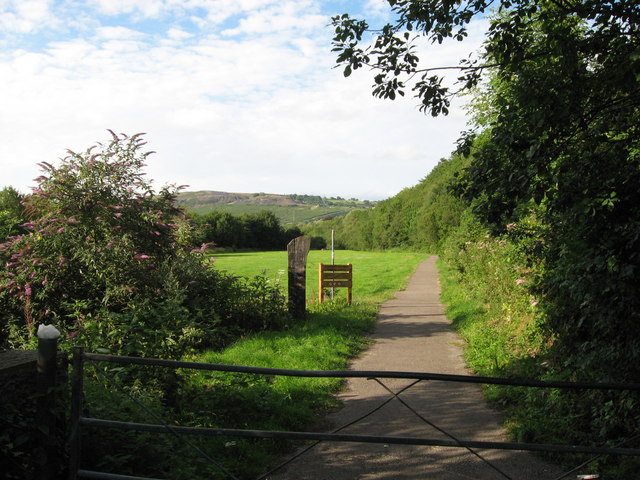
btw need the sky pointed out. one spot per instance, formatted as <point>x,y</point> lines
<point>233,95</point>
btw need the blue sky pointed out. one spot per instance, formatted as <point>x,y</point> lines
<point>234,95</point>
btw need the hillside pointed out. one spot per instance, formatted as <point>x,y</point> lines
<point>209,198</point>
<point>289,209</point>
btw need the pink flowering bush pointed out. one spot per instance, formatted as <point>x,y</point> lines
<point>108,260</point>
<point>98,233</point>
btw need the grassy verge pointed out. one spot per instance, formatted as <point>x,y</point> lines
<point>503,340</point>
<point>331,335</point>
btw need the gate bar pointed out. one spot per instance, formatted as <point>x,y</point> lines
<point>343,437</point>
<point>110,476</point>
<point>359,374</point>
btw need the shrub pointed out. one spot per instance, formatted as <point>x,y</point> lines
<point>108,261</point>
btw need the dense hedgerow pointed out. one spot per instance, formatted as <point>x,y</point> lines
<point>109,261</point>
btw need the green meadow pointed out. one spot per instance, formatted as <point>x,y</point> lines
<point>376,275</point>
<point>331,334</point>
<point>327,339</point>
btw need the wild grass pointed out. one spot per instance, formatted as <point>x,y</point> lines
<point>497,320</point>
<point>327,339</point>
<point>376,275</point>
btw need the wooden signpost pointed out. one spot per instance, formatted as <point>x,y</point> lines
<point>331,276</point>
<point>297,250</point>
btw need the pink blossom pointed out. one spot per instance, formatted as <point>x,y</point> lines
<point>142,255</point>
<point>27,289</point>
<point>118,214</point>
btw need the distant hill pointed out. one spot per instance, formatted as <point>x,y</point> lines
<point>290,209</point>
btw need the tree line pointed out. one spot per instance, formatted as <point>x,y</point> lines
<point>260,231</point>
<point>547,177</point>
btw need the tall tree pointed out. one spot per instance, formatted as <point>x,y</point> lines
<point>561,140</point>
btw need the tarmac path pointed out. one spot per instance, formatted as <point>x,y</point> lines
<point>412,334</point>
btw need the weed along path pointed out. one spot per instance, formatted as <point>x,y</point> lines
<point>412,334</point>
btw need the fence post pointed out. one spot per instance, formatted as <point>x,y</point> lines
<point>298,249</point>
<point>76,409</point>
<point>45,383</point>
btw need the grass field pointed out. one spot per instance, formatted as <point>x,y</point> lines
<point>327,339</point>
<point>376,275</point>
<point>331,334</point>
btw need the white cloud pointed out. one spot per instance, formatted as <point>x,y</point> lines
<point>145,8</point>
<point>377,9</point>
<point>178,34</point>
<point>24,16</point>
<point>281,18</point>
<point>118,33</point>
<point>241,112</point>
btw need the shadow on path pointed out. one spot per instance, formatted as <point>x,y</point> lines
<point>412,334</point>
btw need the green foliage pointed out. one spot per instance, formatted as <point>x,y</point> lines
<point>487,290</point>
<point>12,213</point>
<point>331,335</point>
<point>418,218</point>
<point>108,261</point>
<point>100,235</point>
<point>261,230</point>
<point>563,143</point>
<point>553,174</point>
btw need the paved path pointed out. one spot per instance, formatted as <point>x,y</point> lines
<point>412,334</point>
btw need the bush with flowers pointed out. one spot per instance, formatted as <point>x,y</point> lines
<point>495,273</point>
<point>109,262</point>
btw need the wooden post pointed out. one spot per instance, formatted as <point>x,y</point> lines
<point>298,249</point>
<point>46,382</point>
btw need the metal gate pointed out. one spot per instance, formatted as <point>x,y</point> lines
<point>78,421</point>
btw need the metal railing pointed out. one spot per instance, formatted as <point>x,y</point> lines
<point>78,420</point>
